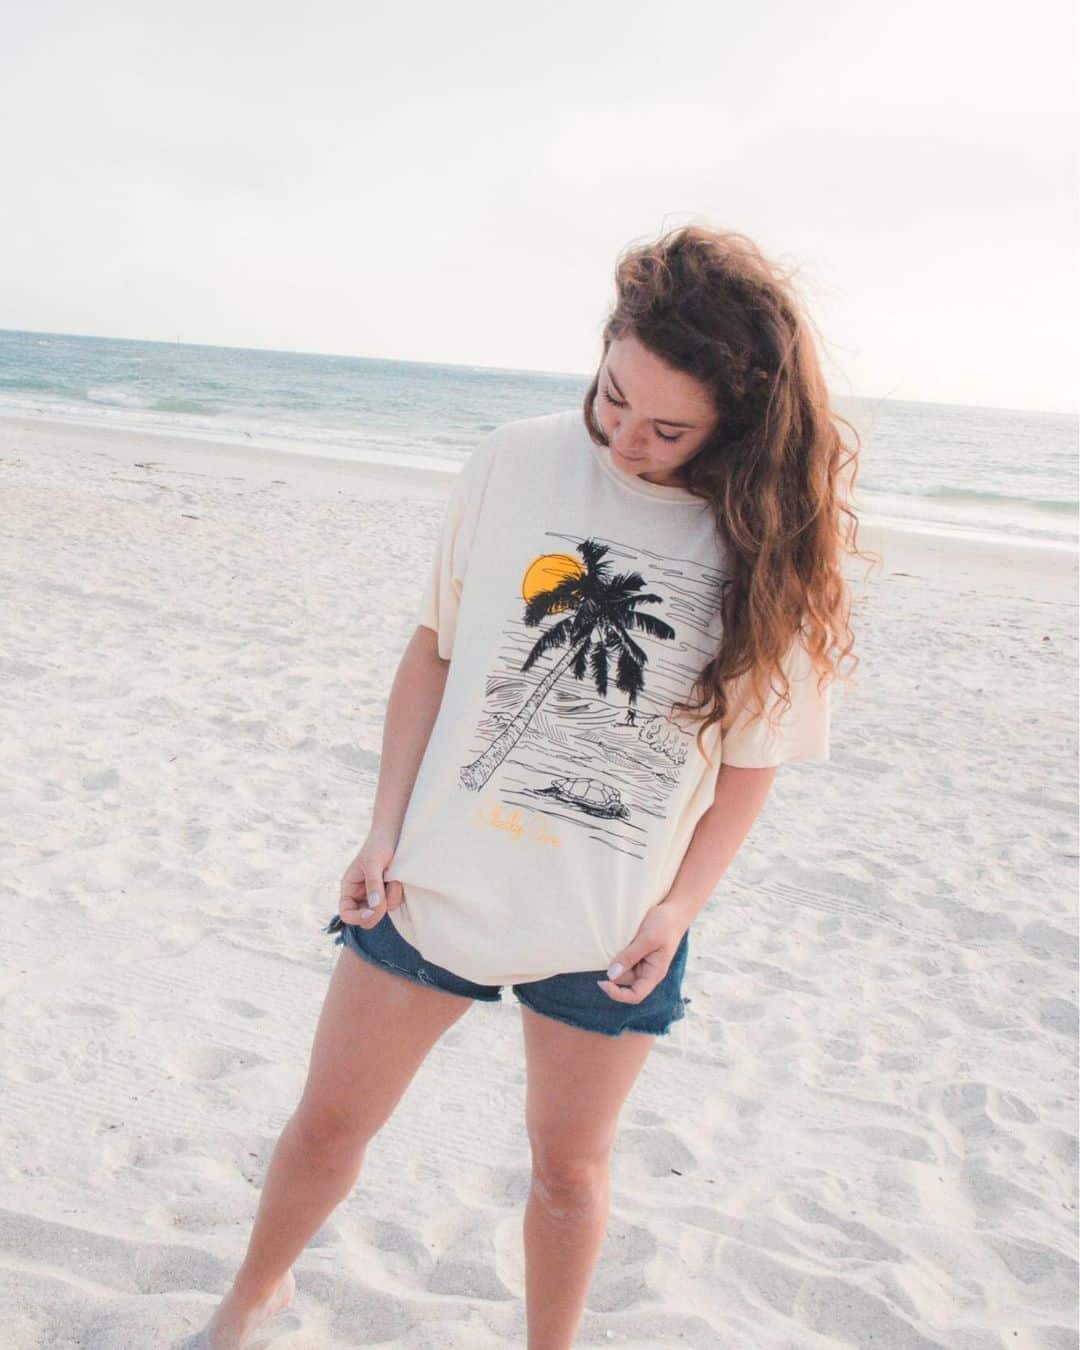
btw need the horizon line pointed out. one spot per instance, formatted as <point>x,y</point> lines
<point>504,370</point>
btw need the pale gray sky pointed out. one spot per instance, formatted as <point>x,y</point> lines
<point>453,182</point>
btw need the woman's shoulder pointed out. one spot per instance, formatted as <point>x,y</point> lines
<point>554,426</point>
<point>537,444</point>
<point>525,460</point>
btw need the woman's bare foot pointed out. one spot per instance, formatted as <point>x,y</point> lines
<point>231,1326</point>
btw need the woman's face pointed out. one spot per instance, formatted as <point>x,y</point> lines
<point>653,418</point>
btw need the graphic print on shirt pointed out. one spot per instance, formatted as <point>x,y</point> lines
<point>577,721</point>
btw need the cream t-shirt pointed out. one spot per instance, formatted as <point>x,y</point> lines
<point>557,795</point>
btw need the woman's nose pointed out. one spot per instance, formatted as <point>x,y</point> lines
<point>624,435</point>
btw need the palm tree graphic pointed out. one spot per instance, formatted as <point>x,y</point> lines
<point>601,611</point>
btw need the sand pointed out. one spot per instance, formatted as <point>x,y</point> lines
<point>863,1134</point>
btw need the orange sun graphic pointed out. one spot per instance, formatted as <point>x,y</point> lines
<point>545,572</point>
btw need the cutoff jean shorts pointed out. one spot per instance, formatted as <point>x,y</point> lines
<point>575,999</point>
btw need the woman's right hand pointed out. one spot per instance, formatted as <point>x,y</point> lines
<point>364,884</point>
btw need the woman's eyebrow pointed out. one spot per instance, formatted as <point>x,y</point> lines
<point>666,420</point>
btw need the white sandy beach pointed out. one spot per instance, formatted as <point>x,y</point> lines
<point>862,1135</point>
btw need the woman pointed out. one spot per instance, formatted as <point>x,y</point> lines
<point>572,755</point>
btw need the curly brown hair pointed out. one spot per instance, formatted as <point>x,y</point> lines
<point>708,303</point>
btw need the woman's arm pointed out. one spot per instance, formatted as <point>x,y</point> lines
<point>718,835</point>
<point>739,796</point>
<point>411,709</point>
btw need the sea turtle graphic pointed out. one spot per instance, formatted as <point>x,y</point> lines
<point>594,797</point>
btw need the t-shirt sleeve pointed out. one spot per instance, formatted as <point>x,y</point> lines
<point>799,732</point>
<point>449,564</point>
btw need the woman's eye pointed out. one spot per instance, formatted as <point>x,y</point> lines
<point>616,404</point>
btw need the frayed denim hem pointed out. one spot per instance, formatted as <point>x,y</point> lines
<point>603,1031</point>
<point>337,925</point>
<point>395,970</point>
<point>340,928</point>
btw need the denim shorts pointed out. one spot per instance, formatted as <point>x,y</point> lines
<point>575,999</point>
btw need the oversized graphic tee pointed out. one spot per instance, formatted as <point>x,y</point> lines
<point>559,790</point>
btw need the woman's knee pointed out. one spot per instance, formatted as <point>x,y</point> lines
<point>568,1183</point>
<point>329,1133</point>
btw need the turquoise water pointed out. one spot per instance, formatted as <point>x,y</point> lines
<point>933,466</point>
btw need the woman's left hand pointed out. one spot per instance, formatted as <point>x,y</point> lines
<point>645,960</point>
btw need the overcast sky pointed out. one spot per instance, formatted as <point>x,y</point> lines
<point>453,182</point>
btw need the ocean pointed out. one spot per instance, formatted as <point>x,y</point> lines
<point>950,468</point>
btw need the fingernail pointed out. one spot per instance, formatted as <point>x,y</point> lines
<point>614,970</point>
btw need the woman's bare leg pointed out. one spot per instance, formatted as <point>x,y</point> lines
<point>373,1033</point>
<point>577,1084</point>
